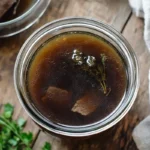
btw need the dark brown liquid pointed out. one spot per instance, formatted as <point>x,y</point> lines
<point>23,6</point>
<point>51,66</point>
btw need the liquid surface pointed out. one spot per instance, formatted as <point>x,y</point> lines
<point>52,68</point>
<point>23,6</point>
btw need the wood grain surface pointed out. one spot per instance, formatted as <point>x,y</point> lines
<point>114,12</point>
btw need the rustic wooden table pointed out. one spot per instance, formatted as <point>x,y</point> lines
<point>114,12</point>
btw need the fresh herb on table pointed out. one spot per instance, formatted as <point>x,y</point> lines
<point>12,136</point>
<point>47,146</point>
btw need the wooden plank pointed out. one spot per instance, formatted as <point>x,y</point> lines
<point>115,13</point>
<point>141,108</point>
<point>117,138</point>
<point>57,143</point>
<point>134,34</point>
<point>8,51</point>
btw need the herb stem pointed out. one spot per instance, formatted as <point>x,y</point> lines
<point>95,69</point>
<point>6,123</point>
<point>12,136</point>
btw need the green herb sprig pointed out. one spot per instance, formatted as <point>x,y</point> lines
<point>12,136</point>
<point>93,68</point>
<point>46,146</point>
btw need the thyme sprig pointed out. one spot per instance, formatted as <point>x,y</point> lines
<point>95,69</point>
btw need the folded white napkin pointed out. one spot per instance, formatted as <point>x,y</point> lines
<point>141,133</point>
<point>142,9</point>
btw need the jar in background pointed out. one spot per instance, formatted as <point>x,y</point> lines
<point>24,21</point>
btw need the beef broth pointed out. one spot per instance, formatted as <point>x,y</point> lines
<point>17,9</point>
<point>5,5</point>
<point>53,73</point>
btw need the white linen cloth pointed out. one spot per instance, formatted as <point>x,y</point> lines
<point>142,9</point>
<point>141,133</point>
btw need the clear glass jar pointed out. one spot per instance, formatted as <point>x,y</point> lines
<point>24,21</point>
<point>75,25</point>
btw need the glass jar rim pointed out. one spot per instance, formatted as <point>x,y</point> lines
<point>80,130</point>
